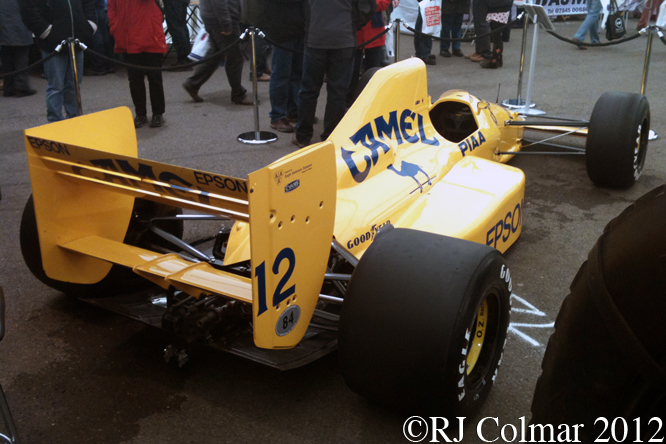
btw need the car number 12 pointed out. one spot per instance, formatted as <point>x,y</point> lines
<point>279,294</point>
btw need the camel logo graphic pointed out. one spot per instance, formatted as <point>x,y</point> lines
<point>410,170</point>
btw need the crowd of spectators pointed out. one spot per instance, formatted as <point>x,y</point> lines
<point>312,42</point>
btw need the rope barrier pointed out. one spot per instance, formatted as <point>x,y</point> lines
<point>34,65</point>
<point>173,68</point>
<point>577,43</point>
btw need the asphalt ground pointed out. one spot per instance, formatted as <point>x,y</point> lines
<point>76,374</point>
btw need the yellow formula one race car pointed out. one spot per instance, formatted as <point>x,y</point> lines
<point>384,241</point>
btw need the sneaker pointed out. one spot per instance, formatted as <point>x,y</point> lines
<point>139,121</point>
<point>245,100</point>
<point>471,55</point>
<point>489,64</point>
<point>298,143</point>
<point>476,57</point>
<point>283,126</point>
<point>445,53</point>
<point>157,121</point>
<point>458,53</point>
<point>193,92</point>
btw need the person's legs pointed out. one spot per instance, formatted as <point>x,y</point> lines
<point>136,83</point>
<point>356,73</point>
<point>481,27</point>
<point>175,14</point>
<point>55,69</point>
<point>456,30</point>
<point>314,68</point>
<point>234,68</point>
<point>338,74</point>
<point>8,65</point>
<point>278,88</point>
<point>373,57</point>
<point>295,80</point>
<point>447,25</point>
<point>93,63</point>
<point>591,22</point>
<point>422,44</point>
<point>155,87</point>
<point>204,71</point>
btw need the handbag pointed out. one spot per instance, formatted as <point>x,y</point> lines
<point>431,12</point>
<point>615,28</point>
<point>200,45</point>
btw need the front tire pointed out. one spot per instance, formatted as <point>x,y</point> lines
<point>417,306</point>
<point>617,139</point>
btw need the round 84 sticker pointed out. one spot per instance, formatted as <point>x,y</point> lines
<point>288,320</point>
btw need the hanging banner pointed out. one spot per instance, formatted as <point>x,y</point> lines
<point>558,7</point>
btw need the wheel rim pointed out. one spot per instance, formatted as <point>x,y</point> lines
<point>482,345</point>
<point>640,149</point>
<point>478,335</point>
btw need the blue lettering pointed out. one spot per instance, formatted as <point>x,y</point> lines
<point>404,126</point>
<point>359,176</point>
<point>389,129</point>
<point>463,147</point>
<point>367,138</point>
<point>475,143</point>
<point>507,227</point>
<point>481,138</point>
<point>424,139</point>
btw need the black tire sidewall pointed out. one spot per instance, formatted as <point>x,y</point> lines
<point>611,141</point>
<point>487,284</point>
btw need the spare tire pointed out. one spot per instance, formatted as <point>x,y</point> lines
<point>607,355</point>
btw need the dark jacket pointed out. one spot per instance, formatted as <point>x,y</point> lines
<point>283,20</point>
<point>12,30</point>
<point>222,15</point>
<point>39,14</point>
<point>455,7</point>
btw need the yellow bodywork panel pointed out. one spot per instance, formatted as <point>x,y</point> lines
<point>79,191</point>
<point>396,168</point>
<point>292,210</point>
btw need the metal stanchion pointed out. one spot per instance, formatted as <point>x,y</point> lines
<point>517,102</point>
<point>646,66</point>
<point>396,40</point>
<point>538,15</point>
<point>256,137</point>
<point>71,45</point>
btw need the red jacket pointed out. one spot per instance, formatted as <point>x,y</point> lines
<point>136,25</point>
<point>367,32</point>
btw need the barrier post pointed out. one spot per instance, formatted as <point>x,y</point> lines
<point>255,137</point>
<point>71,42</point>
<point>518,103</point>
<point>646,66</point>
<point>396,40</point>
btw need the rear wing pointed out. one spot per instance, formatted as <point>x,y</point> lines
<point>85,176</point>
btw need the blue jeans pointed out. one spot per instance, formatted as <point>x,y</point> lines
<point>451,29</point>
<point>422,45</point>
<point>591,22</point>
<point>286,72</point>
<point>336,65</point>
<point>60,88</point>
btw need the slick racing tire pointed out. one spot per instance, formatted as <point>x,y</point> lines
<point>424,322</point>
<point>607,356</point>
<point>617,139</point>
<point>119,279</point>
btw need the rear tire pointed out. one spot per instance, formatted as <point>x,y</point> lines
<point>119,279</point>
<point>617,139</point>
<point>607,356</point>
<point>413,312</point>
